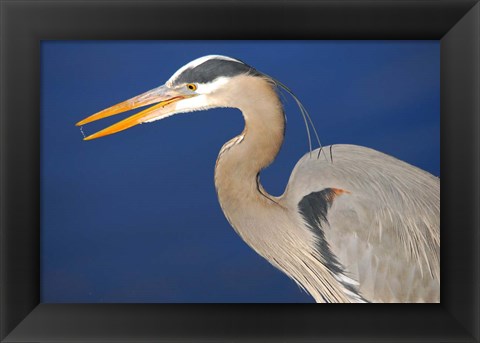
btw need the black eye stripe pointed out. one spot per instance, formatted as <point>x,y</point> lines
<point>212,69</point>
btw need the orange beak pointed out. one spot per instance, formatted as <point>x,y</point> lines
<point>162,97</point>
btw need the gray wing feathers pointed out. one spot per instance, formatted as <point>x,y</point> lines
<point>385,229</point>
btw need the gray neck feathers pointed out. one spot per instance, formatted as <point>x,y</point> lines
<point>242,158</point>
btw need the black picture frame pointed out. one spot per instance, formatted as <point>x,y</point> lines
<point>25,23</point>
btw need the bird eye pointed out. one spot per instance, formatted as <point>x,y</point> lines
<point>192,86</point>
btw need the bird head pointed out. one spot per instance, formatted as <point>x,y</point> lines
<point>199,85</point>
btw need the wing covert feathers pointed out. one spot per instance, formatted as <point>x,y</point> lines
<point>377,220</point>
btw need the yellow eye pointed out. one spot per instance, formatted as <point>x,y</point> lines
<point>192,86</point>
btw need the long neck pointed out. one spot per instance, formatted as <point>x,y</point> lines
<point>242,158</point>
<point>272,230</point>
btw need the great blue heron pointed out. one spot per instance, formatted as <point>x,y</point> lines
<point>353,225</point>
